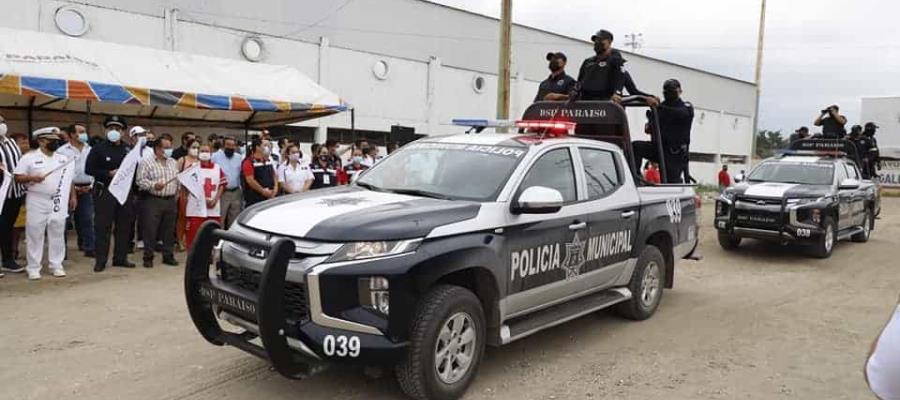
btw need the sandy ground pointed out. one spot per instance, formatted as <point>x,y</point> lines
<point>763,323</point>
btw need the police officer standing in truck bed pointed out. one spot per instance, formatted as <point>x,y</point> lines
<point>675,119</point>
<point>602,76</point>
<point>558,85</point>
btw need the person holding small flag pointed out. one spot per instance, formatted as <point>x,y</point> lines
<point>158,178</point>
<point>211,180</point>
<point>103,163</point>
<point>48,177</point>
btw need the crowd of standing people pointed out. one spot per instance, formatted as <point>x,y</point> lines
<point>61,177</point>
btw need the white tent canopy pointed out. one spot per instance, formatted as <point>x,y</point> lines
<point>53,73</point>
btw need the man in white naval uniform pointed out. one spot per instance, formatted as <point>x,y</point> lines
<point>48,177</point>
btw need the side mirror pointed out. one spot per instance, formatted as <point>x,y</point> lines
<point>538,200</point>
<point>849,184</point>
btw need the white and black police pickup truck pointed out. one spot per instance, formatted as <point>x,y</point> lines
<point>445,246</point>
<point>812,195</point>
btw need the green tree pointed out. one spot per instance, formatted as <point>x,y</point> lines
<point>769,141</point>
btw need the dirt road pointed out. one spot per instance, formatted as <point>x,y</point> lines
<point>763,323</point>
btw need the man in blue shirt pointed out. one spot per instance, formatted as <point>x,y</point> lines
<point>230,161</point>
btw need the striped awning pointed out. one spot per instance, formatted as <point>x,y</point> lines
<point>61,73</point>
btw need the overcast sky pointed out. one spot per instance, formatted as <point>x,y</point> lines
<point>816,52</point>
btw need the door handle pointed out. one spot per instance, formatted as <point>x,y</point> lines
<point>628,214</point>
<point>577,226</point>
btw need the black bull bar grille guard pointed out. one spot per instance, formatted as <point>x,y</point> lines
<point>269,305</point>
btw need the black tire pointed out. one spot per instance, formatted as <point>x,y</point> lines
<point>639,307</point>
<point>867,226</point>
<point>417,373</point>
<point>821,249</point>
<point>728,241</point>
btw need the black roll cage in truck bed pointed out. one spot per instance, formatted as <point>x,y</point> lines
<point>605,121</point>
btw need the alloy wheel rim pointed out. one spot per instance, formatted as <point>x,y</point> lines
<point>454,349</point>
<point>829,238</point>
<point>650,285</point>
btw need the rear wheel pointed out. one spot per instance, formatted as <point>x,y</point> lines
<point>823,248</point>
<point>729,241</point>
<point>646,285</point>
<point>446,345</point>
<point>863,236</point>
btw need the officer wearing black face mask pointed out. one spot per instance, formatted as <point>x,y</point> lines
<point>675,119</point>
<point>602,76</point>
<point>862,146</point>
<point>558,85</point>
<point>872,152</point>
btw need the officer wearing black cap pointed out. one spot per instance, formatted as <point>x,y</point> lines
<point>832,123</point>
<point>102,163</point>
<point>558,85</point>
<point>602,76</point>
<point>862,147</point>
<point>675,119</point>
<point>872,153</point>
<point>800,134</point>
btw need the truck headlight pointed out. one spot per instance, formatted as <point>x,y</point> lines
<point>364,250</point>
<point>374,294</point>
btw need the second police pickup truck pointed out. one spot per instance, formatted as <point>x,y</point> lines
<point>812,195</point>
<point>446,246</point>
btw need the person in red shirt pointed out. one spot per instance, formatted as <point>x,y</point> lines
<point>724,179</point>
<point>198,211</point>
<point>651,174</point>
<point>259,176</point>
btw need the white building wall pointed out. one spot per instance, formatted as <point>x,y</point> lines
<point>885,112</point>
<point>433,52</point>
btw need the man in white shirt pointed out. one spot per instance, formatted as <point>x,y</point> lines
<point>78,149</point>
<point>48,176</point>
<point>883,367</point>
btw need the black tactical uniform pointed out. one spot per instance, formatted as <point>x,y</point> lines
<point>675,119</point>
<point>872,153</point>
<point>600,78</point>
<point>558,82</point>
<point>109,215</point>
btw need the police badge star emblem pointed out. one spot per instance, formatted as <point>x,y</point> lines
<point>574,258</point>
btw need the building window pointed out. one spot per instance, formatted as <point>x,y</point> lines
<point>381,69</point>
<point>478,84</point>
<point>71,21</point>
<point>252,48</point>
<point>703,157</point>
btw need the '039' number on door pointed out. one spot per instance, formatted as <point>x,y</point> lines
<point>341,346</point>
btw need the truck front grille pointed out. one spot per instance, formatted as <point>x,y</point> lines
<point>296,307</point>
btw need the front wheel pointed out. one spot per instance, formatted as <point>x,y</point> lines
<point>446,345</point>
<point>729,241</point>
<point>823,248</point>
<point>646,285</point>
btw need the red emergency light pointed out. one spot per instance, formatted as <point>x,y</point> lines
<point>553,127</point>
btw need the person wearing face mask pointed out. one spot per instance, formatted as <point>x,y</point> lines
<point>158,210</point>
<point>78,149</point>
<point>294,175</point>
<point>602,76</point>
<point>109,216</point>
<point>188,161</point>
<point>10,154</point>
<point>872,153</point>
<point>355,166</point>
<point>209,207</point>
<point>675,119</point>
<point>230,161</point>
<point>324,174</point>
<point>558,85</point>
<point>182,150</point>
<point>259,175</point>
<point>48,176</point>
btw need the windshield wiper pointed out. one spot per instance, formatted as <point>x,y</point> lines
<point>369,186</point>
<point>421,193</point>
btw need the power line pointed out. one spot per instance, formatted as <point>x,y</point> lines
<point>635,41</point>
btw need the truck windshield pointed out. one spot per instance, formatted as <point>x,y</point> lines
<point>800,173</point>
<point>445,170</point>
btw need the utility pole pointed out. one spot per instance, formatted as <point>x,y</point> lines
<point>758,79</point>
<point>635,41</point>
<point>503,74</point>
